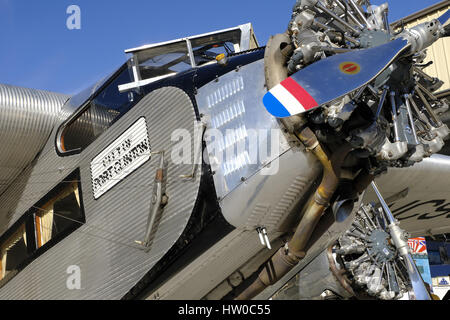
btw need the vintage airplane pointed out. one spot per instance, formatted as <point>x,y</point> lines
<point>211,168</point>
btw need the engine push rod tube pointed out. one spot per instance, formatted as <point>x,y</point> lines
<point>411,119</point>
<point>428,107</point>
<point>394,117</point>
<point>351,16</point>
<point>420,112</point>
<point>359,12</point>
<point>341,21</point>
<point>288,256</point>
<point>381,103</point>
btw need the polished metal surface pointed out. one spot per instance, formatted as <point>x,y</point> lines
<point>251,197</point>
<point>420,290</point>
<point>233,106</point>
<point>27,117</point>
<point>424,210</point>
<point>104,248</point>
<point>388,212</point>
<point>372,62</point>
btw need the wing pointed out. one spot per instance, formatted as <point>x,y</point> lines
<point>419,196</point>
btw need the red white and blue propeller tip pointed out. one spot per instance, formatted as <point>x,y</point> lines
<point>287,99</point>
<point>329,79</point>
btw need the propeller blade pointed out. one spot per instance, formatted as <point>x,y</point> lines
<point>420,291</point>
<point>330,79</point>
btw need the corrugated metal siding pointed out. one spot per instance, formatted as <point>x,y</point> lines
<point>27,117</point>
<point>439,52</point>
<point>104,248</point>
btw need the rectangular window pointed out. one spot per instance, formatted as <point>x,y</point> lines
<point>59,214</point>
<point>14,251</point>
<point>54,217</point>
<point>169,60</point>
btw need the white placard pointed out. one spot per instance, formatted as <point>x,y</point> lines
<point>127,153</point>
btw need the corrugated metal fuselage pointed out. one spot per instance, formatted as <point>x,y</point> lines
<point>104,248</point>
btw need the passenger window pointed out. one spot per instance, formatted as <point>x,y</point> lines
<point>58,215</point>
<point>102,111</point>
<point>14,251</point>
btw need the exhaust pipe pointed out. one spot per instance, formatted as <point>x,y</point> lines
<point>289,255</point>
<point>278,50</point>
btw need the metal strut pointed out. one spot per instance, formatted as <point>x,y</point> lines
<point>158,201</point>
<point>401,242</point>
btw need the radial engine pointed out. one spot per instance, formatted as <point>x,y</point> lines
<point>357,127</point>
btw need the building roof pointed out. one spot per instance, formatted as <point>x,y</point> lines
<point>421,13</point>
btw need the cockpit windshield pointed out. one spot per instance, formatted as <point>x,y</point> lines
<point>106,106</point>
<point>108,100</point>
<point>167,63</point>
<point>80,98</point>
<point>154,62</point>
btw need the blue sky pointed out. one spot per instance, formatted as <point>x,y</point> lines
<point>39,51</point>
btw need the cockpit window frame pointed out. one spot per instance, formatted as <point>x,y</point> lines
<point>59,138</point>
<point>242,37</point>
